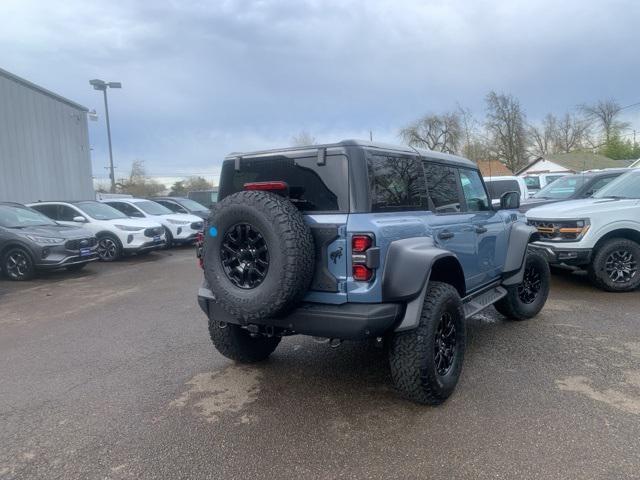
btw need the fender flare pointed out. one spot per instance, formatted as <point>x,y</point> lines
<point>520,237</point>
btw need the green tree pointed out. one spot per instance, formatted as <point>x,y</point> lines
<point>620,149</point>
<point>181,188</point>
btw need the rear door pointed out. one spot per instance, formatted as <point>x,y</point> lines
<point>319,187</point>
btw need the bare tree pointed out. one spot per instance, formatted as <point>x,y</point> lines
<point>572,133</point>
<point>302,139</point>
<point>505,126</point>
<point>442,133</point>
<point>138,183</point>
<point>543,137</point>
<point>605,115</point>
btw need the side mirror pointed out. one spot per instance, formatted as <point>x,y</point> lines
<point>79,219</point>
<point>510,201</point>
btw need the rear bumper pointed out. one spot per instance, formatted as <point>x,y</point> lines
<point>565,256</point>
<point>349,321</point>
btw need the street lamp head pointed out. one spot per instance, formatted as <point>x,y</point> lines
<point>114,85</point>
<point>98,84</point>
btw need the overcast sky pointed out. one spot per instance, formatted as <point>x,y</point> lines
<point>202,78</point>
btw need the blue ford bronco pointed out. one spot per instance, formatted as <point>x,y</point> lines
<point>358,240</point>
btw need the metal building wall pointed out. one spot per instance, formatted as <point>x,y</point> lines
<point>44,144</point>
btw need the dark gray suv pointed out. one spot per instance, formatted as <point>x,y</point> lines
<point>30,241</point>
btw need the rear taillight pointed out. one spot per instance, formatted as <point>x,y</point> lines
<point>276,186</point>
<point>362,270</point>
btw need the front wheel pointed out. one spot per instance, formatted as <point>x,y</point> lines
<point>614,267</point>
<point>525,300</point>
<point>109,248</point>
<point>18,264</point>
<point>236,343</point>
<point>426,362</point>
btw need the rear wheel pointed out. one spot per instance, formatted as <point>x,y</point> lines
<point>236,343</point>
<point>18,264</point>
<point>525,300</point>
<point>109,248</point>
<point>426,362</point>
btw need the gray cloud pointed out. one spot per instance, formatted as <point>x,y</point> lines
<point>203,78</point>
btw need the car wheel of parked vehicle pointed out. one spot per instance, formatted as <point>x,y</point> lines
<point>260,261</point>
<point>525,300</point>
<point>615,265</point>
<point>168,239</point>
<point>236,343</point>
<point>76,267</point>
<point>426,362</point>
<point>17,264</point>
<point>109,248</point>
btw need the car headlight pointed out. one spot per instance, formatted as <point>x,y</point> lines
<point>128,228</point>
<point>177,222</point>
<point>46,240</point>
<point>561,230</point>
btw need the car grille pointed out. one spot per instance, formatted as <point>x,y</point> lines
<point>546,230</point>
<point>81,243</point>
<point>197,225</point>
<point>153,232</point>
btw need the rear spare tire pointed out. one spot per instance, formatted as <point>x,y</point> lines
<point>258,255</point>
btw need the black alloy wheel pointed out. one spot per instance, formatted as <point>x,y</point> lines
<point>244,255</point>
<point>18,265</point>
<point>531,284</point>
<point>621,266</point>
<point>445,344</point>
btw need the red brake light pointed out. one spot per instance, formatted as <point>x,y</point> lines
<point>360,243</point>
<point>361,273</point>
<point>266,186</point>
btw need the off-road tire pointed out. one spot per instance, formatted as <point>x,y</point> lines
<point>107,240</point>
<point>516,305</point>
<point>597,268</point>
<point>25,272</point>
<point>290,247</point>
<point>412,353</point>
<point>237,344</point>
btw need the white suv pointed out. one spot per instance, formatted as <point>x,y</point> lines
<point>117,234</point>
<point>601,233</point>
<point>179,227</point>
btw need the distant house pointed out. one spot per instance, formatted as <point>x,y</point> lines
<point>493,168</point>
<point>571,163</point>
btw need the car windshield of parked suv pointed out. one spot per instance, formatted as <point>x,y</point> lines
<point>498,187</point>
<point>153,208</point>
<point>100,211</point>
<point>562,188</point>
<point>533,183</point>
<point>20,217</point>
<point>625,186</point>
<point>192,205</point>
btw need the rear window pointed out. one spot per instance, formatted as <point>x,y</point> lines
<point>498,187</point>
<point>312,187</point>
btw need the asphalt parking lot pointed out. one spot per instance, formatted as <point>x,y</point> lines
<point>109,373</point>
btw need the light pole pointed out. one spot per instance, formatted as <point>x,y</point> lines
<point>102,85</point>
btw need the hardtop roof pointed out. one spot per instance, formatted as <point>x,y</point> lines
<point>445,157</point>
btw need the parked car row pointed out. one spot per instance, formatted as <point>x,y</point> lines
<point>57,234</point>
<point>600,234</point>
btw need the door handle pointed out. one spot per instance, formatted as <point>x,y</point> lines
<point>481,230</point>
<point>446,235</point>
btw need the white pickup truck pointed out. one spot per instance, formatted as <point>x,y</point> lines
<point>600,234</point>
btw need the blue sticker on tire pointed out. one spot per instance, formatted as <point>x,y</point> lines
<point>213,231</point>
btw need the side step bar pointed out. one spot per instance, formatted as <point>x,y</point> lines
<point>474,303</point>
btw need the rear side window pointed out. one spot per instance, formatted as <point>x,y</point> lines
<point>443,187</point>
<point>532,182</point>
<point>498,187</point>
<point>396,183</point>
<point>50,211</point>
<point>312,187</point>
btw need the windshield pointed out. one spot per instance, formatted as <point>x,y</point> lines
<point>625,186</point>
<point>153,208</point>
<point>533,183</point>
<point>192,205</point>
<point>562,188</point>
<point>100,211</point>
<point>20,217</point>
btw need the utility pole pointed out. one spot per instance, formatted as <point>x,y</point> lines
<point>102,85</point>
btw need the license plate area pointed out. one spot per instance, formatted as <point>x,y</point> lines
<point>85,252</point>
